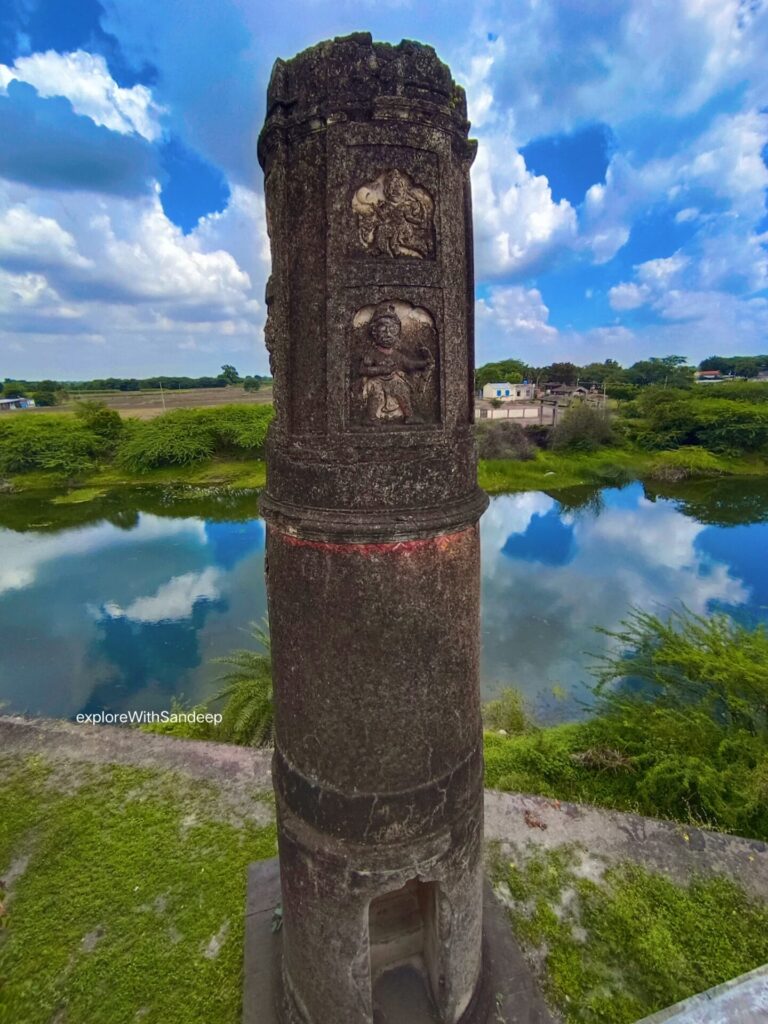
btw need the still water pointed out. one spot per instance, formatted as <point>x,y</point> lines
<point>105,606</point>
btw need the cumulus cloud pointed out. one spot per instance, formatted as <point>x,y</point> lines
<point>131,281</point>
<point>25,556</point>
<point>518,225</point>
<point>84,79</point>
<point>172,601</point>
<point>50,146</point>
<point>568,64</point>
<point>30,241</point>
<point>511,320</point>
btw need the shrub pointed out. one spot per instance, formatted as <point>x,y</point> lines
<point>673,418</point>
<point>107,423</point>
<point>583,428</point>
<point>59,444</point>
<point>185,436</point>
<point>508,712</point>
<point>248,712</point>
<point>680,728</point>
<point>503,439</point>
<point>683,463</point>
<point>175,438</point>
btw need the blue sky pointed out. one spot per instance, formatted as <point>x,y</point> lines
<point>619,189</point>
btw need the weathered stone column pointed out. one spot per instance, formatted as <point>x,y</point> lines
<point>372,507</point>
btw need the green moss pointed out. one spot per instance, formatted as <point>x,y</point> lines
<point>79,496</point>
<point>631,943</point>
<point>130,875</point>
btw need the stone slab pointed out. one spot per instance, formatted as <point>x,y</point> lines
<point>512,994</point>
<point>743,1000</point>
<point>262,943</point>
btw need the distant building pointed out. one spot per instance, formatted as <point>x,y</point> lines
<point>507,392</point>
<point>9,404</point>
<point>708,376</point>
<point>526,413</point>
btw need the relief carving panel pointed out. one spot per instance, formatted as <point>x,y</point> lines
<point>394,373</point>
<point>394,217</point>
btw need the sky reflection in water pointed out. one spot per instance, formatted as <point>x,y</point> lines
<point>103,617</point>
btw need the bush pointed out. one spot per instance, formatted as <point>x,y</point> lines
<point>503,439</point>
<point>730,425</point>
<point>684,463</point>
<point>185,436</point>
<point>583,428</point>
<point>175,439</point>
<point>680,728</point>
<point>58,444</point>
<point>508,713</point>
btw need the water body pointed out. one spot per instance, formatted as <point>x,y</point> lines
<point>123,603</point>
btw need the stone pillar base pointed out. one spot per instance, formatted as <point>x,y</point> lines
<point>508,992</point>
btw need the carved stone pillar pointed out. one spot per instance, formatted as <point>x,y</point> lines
<point>372,507</point>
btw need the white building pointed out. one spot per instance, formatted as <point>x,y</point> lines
<point>507,392</point>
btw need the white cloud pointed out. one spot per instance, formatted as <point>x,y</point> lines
<point>173,600</point>
<point>517,223</point>
<point>628,296</point>
<point>510,320</point>
<point>24,555</point>
<point>124,275</point>
<point>688,214</point>
<point>30,240</point>
<point>84,79</point>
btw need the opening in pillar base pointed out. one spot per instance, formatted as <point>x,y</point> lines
<point>507,992</point>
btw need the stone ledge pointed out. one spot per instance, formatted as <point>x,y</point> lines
<point>664,846</point>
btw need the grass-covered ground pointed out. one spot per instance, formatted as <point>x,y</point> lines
<point>548,471</point>
<point>233,473</point>
<point>124,896</point>
<point>614,945</point>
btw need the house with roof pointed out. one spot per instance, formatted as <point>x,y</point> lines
<point>9,404</point>
<point>506,392</point>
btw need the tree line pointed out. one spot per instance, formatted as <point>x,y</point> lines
<point>673,371</point>
<point>53,392</point>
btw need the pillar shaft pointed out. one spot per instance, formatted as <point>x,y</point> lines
<point>372,544</point>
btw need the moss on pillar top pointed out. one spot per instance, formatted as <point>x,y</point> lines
<point>349,73</point>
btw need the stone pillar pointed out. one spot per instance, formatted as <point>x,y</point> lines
<point>372,507</point>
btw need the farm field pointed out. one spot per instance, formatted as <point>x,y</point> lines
<point>145,405</point>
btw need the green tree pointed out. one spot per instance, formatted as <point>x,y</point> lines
<point>252,383</point>
<point>44,398</point>
<point>562,373</point>
<point>511,370</point>
<point>671,371</point>
<point>230,374</point>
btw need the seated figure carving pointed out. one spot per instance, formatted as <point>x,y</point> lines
<point>389,374</point>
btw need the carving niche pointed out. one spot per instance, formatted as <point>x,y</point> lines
<point>394,373</point>
<point>395,217</point>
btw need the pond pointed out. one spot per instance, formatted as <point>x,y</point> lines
<point>124,601</point>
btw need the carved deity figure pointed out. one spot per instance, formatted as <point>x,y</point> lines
<point>389,374</point>
<point>394,217</point>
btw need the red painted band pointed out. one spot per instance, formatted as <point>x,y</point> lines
<point>442,541</point>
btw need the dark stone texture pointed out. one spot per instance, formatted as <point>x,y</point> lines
<point>372,506</point>
<point>508,993</point>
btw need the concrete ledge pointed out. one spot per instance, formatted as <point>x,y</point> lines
<point>107,744</point>
<point>611,836</point>
<point>513,818</point>
<point>743,1000</point>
